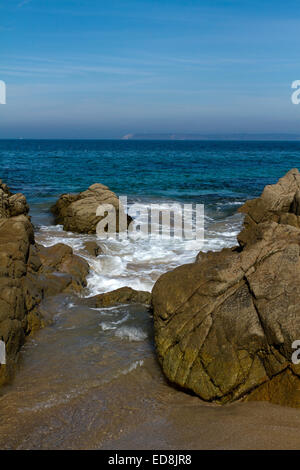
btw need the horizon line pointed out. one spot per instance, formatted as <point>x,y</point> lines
<point>222,138</point>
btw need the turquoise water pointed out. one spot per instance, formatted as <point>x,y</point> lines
<point>208,172</point>
<point>221,175</point>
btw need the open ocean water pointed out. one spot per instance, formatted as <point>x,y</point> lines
<point>220,175</point>
<point>91,379</point>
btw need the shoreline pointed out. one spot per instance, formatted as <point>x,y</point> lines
<point>95,362</point>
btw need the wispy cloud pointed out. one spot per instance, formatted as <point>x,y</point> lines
<point>59,70</point>
<point>138,67</point>
<point>24,2</point>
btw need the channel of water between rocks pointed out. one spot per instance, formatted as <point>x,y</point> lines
<point>91,380</point>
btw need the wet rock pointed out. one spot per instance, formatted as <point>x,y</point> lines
<point>5,188</point>
<point>60,259</point>
<point>224,325</point>
<point>16,236</point>
<point>124,295</point>
<point>17,205</point>
<point>279,203</point>
<point>12,205</point>
<point>28,274</point>
<point>93,248</point>
<point>77,212</point>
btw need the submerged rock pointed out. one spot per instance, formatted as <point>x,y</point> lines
<point>124,295</point>
<point>28,273</point>
<point>78,212</point>
<point>225,325</point>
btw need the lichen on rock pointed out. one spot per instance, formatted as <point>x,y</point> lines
<point>224,325</point>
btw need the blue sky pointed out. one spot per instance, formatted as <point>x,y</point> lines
<point>102,69</point>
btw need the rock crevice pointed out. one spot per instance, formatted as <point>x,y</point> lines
<point>224,326</point>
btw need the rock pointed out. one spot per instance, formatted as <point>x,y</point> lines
<point>13,205</point>
<point>4,210</point>
<point>124,295</point>
<point>279,203</point>
<point>28,273</point>
<point>16,236</point>
<point>60,259</point>
<point>77,212</point>
<point>224,325</point>
<point>17,205</point>
<point>5,188</point>
<point>282,390</point>
<point>93,248</point>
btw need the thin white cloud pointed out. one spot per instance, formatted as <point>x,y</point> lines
<point>24,2</point>
<point>72,69</point>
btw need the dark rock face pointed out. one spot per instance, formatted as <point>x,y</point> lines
<point>124,295</point>
<point>78,212</point>
<point>224,326</point>
<point>28,273</point>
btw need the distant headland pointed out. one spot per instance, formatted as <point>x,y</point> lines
<point>240,136</point>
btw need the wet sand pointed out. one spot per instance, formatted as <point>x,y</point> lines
<point>91,381</point>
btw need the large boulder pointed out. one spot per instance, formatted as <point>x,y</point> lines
<point>78,212</point>
<point>225,325</point>
<point>59,259</point>
<point>28,273</point>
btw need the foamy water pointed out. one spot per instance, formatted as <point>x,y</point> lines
<point>138,260</point>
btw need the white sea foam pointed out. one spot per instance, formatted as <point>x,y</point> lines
<point>113,324</point>
<point>131,333</point>
<point>133,367</point>
<point>47,228</point>
<point>107,326</point>
<point>107,309</point>
<point>139,260</point>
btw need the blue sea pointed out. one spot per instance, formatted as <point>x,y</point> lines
<point>219,174</point>
<point>207,171</point>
